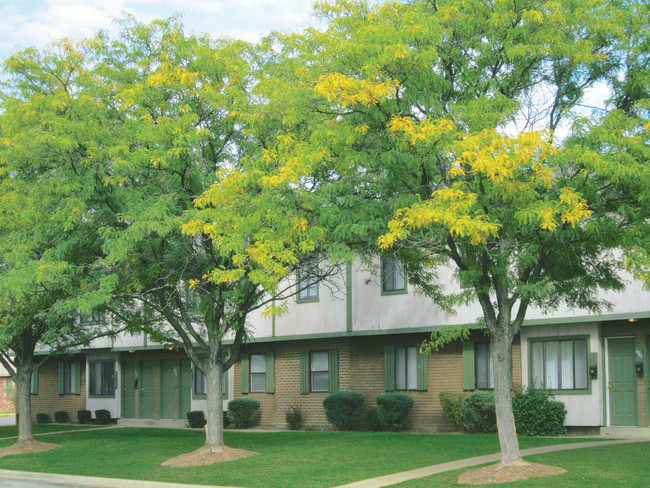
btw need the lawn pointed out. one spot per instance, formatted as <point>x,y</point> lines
<point>593,467</point>
<point>12,430</point>
<point>308,459</point>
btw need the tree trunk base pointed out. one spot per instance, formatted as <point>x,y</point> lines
<point>24,447</point>
<point>208,455</point>
<point>499,473</point>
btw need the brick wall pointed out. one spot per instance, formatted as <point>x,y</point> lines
<point>48,400</point>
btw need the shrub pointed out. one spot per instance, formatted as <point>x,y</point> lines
<point>536,414</point>
<point>371,419</point>
<point>452,405</point>
<point>242,410</point>
<point>344,409</point>
<point>226,419</point>
<point>196,419</point>
<point>293,416</point>
<point>393,409</point>
<point>102,416</point>
<point>478,412</point>
<point>84,416</point>
<point>61,417</point>
<point>42,418</point>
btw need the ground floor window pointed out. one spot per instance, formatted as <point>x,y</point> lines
<point>69,377</point>
<point>559,364</point>
<point>406,368</point>
<point>319,371</point>
<point>101,377</point>
<point>200,384</point>
<point>483,366</point>
<point>258,372</point>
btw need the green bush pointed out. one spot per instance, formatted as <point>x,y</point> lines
<point>452,405</point>
<point>536,414</point>
<point>393,409</point>
<point>293,416</point>
<point>42,418</point>
<point>242,410</point>
<point>196,419</point>
<point>102,416</point>
<point>61,417</point>
<point>226,419</point>
<point>344,409</point>
<point>84,416</point>
<point>478,412</point>
<point>371,419</point>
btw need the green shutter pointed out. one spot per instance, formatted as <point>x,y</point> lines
<point>469,379</point>
<point>245,373</point>
<point>304,372</point>
<point>333,370</point>
<point>423,371</point>
<point>34,385</point>
<point>389,368</point>
<point>61,378</point>
<point>270,376</point>
<point>76,373</point>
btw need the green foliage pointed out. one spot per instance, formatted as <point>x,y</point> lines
<point>393,409</point>
<point>84,416</point>
<point>242,411</point>
<point>371,420</point>
<point>344,409</point>
<point>479,413</point>
<point>61,417</point>
<point>42,418</point>
<point>102,416</point>
<point>536,414</point>
<point>452,405</point>
<point>196,419</point>
<point>293,416</point>
<point>226,418</point>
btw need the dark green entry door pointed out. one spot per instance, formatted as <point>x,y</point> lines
<point>167,388</point>
<point>128,389</point>
<point>184,387</point>
<point>622,382</point>
<point>146,389</point>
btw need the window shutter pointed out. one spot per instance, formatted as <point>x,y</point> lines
<point>61,378</point>
<point>389,368</point>
<point>76,375</point>
<point>304,372</point>
<point>245,373</point>
<point>224,387</point>
<point>469,380</point>
<point>34,385</point>
<point>423,371</point>
<point>270,375</point>
<point>333,370</point>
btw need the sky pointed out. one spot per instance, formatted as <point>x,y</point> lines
<point>36,23</point>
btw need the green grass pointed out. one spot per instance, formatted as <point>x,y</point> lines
<point>307,459</point>
<point>12,430</point>
<point>623,466</point>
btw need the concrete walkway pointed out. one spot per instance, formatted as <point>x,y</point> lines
<point>387,480</point>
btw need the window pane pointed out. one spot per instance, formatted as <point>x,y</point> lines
<point>399,282</point>
<point>320,381</point>
<point>393,275</point>
<point>481,361</point>
<point>258,382</point>
<point>258,363</point>
<point>411,369</point>
<point>580,361</point>
<point>551,361</point>
<point>400,368</point>
<point>319,361</point>
<point>566,364</point>
<point>537,364</point>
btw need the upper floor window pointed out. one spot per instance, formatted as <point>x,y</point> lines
<point>95,317</point>
<point>308,282</point>
<point>393,279</point>
<point>559,364</point>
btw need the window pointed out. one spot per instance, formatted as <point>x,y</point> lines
<point>258,372</point>
<point>406,368</point>
<point>201,388</point>
<point>102,378</point>
<point>484,373</point>
<point>94,317</point>
<point>392,276</point>
<point>33,385</point>
<point>319,371</point>
<point>69,378</point>
<point>559,364</point>
<point>308,282</point>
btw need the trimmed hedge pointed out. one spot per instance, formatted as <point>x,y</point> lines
<point>344,409</point>
<point>452,405</point>
<point>479,414</point>
<point>196,419</point>
<point>84,416</point>
<point>42,418</point>
<point>242,410</point>
<point>102,416</point>
<point>293,416</point>
<point>61,417</point>
<point>393,409</point>
<point>371,419</point>
<point>536,414</point>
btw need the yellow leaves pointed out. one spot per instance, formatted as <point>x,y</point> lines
<point>193,283</point>
<point>349,91</point>
<point>420,131</point>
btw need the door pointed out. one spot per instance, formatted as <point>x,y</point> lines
<point>128,389</point>
<point>167,388</point>
<point>146,389</point>
<point>184,387</point>
<point>621,381</point>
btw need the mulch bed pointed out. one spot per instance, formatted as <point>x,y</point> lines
<point>208,455</point>
<point>499,473</point>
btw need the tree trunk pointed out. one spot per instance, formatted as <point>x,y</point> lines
<point>214,427</point>
<point>24,407</point>
<point>502,365</point>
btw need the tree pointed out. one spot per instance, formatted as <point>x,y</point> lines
<point>448,135</point>
<point>52,204</point>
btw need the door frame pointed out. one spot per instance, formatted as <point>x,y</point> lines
<point>606,389</point>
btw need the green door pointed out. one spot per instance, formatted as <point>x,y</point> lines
<point>184,387</point>
<point>167,388</point>
<point>621,382</point>
<point>128,389</point>
<point>146,389</point>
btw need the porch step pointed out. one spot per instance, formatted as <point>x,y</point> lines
<point>163,424</point>
<point>625,431</point>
